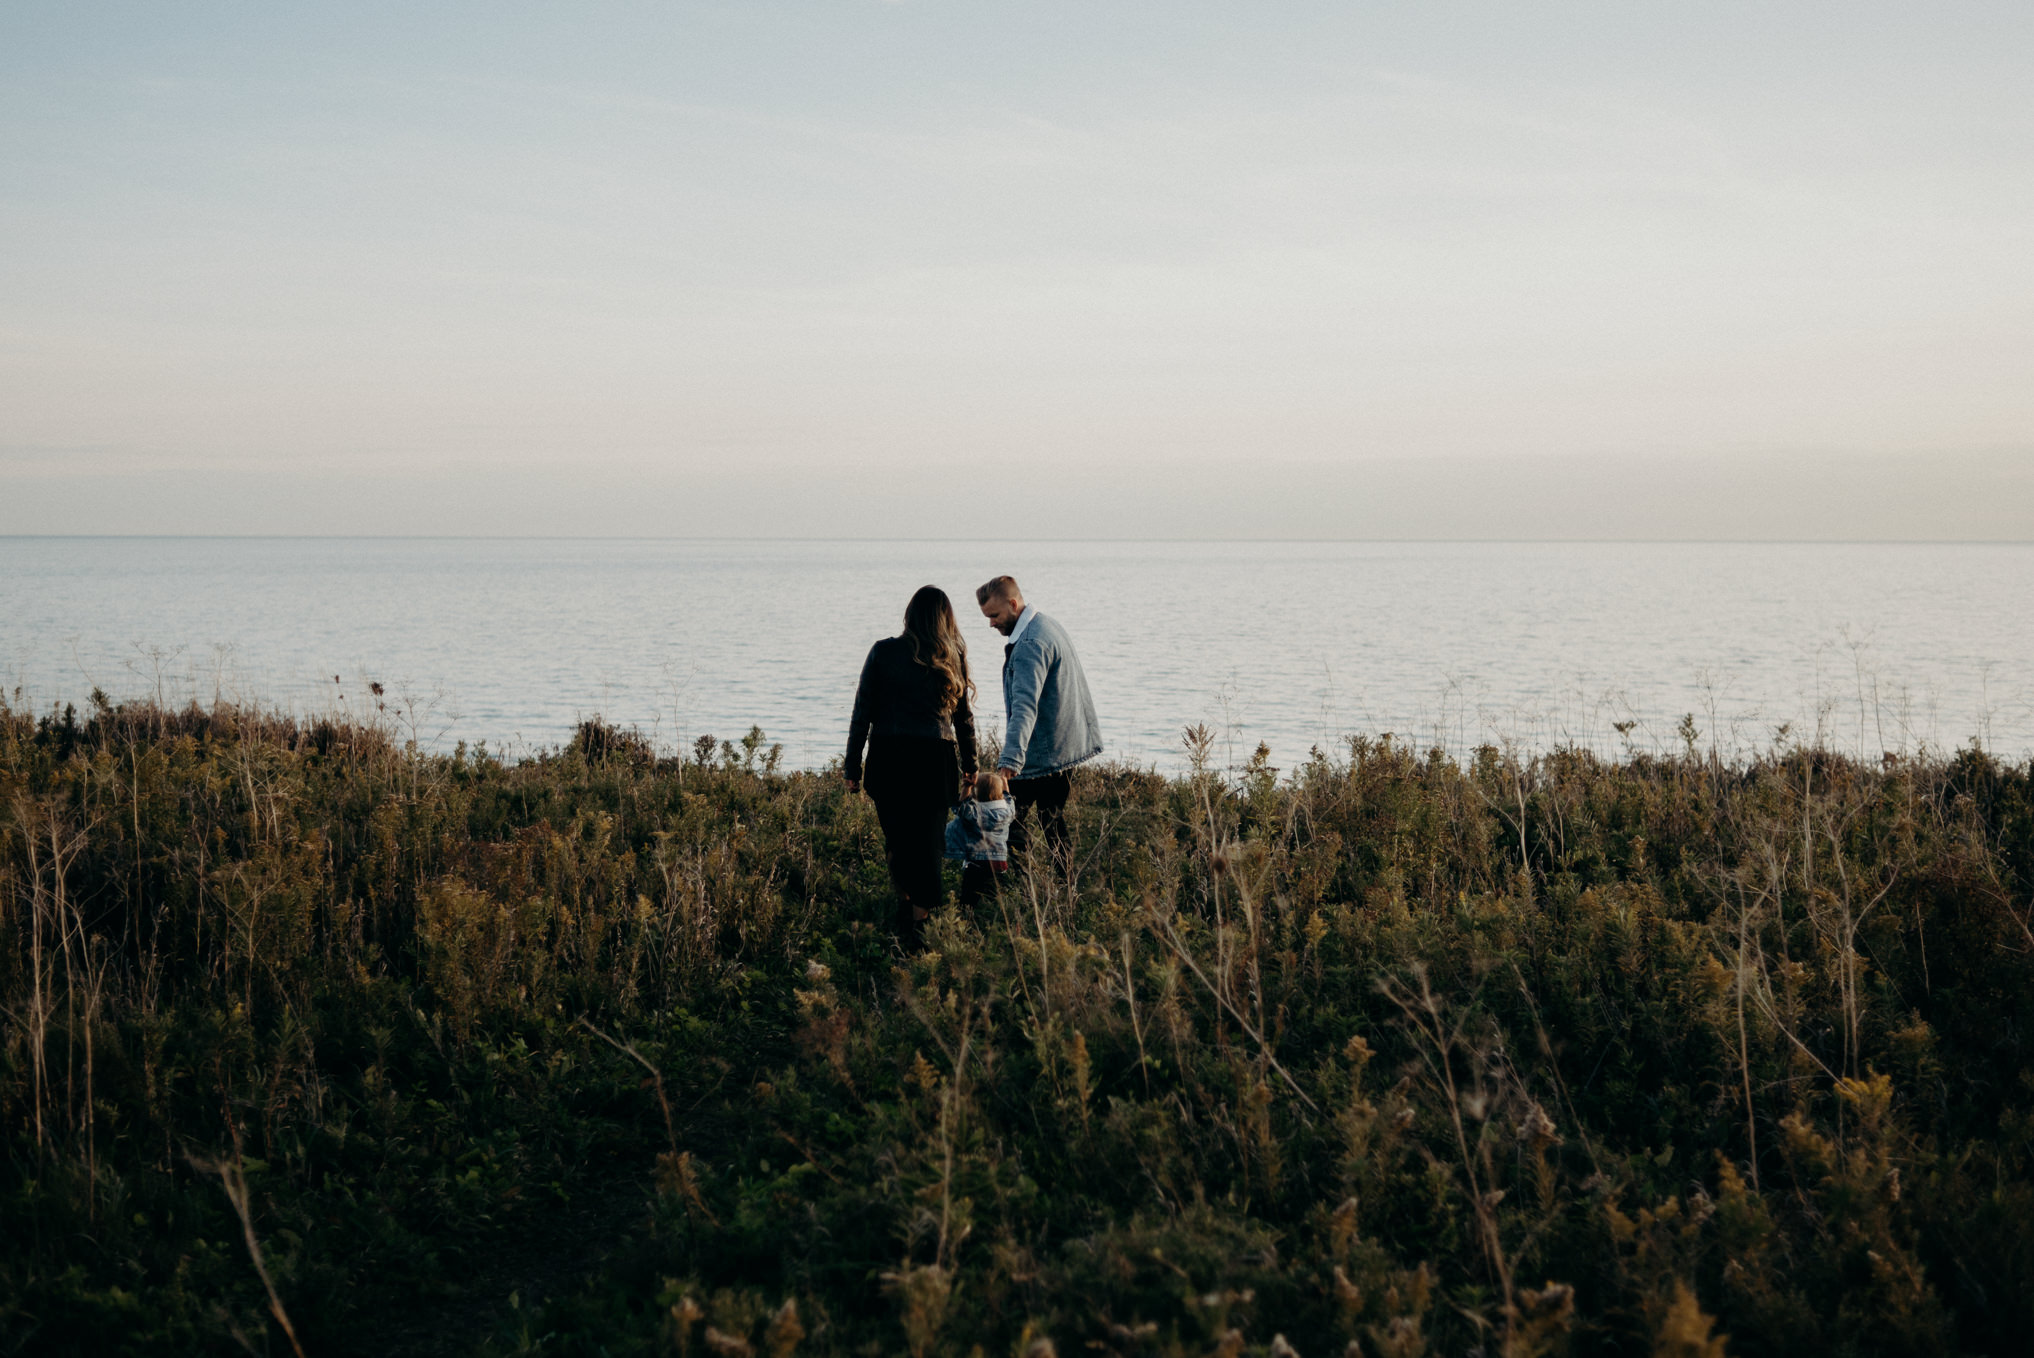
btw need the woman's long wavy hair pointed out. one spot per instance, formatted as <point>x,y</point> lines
<point>936,644</point>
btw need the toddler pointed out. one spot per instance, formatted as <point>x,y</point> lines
<point>979,836</point>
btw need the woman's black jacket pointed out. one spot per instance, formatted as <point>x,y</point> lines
<point>900,697</point>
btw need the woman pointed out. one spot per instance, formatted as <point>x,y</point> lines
<point>912,707</point>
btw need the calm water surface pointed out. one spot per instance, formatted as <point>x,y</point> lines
<point>1295,644</point>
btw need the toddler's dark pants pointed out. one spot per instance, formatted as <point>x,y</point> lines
<point>979,880</point>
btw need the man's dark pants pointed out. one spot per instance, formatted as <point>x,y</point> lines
<point>1048,794</point>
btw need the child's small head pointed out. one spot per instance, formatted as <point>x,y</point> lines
<point>988,787</point>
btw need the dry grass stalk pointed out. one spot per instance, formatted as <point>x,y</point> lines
<point>234,1181</point>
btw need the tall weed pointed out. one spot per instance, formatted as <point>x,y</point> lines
<point>1386,1053</point>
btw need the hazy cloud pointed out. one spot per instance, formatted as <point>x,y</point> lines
<point>700,243</point>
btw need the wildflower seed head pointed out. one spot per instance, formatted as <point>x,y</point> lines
<point>1537,1130</point>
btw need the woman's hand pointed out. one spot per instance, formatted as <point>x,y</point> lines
<point>854,784</point>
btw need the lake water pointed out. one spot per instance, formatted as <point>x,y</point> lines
<point>1874,647</point>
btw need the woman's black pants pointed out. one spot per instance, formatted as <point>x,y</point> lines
<point>913,781</point>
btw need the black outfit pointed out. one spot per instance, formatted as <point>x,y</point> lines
<point>979,882</point>
<point>919,759</point>
<point>1048,792</point>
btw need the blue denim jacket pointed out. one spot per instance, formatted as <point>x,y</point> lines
<point>1049,716</point>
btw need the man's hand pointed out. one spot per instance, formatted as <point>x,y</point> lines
<point>1007,773</point>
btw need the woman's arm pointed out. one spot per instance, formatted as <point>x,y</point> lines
<point>964,741</point>
<point>858,724</point>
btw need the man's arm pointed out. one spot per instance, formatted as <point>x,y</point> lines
<point>1020,699</point>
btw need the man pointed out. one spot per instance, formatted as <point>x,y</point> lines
<point>1048,716</point>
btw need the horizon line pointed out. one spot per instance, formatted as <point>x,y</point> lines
<point>635,537</point>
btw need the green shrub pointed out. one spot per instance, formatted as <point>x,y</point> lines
<point>1520,1055</point>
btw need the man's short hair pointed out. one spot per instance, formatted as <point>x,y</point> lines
<point>1002,587</point>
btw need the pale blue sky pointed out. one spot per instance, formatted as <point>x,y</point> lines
<point>1169,267</point>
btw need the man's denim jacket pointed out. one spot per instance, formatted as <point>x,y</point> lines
<point>1049,716</point>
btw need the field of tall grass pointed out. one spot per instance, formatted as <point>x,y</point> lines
<point>318,1042</point>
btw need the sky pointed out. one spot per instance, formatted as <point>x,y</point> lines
<point>946,269</point>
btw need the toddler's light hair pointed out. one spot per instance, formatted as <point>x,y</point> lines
<point>989,787</point>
